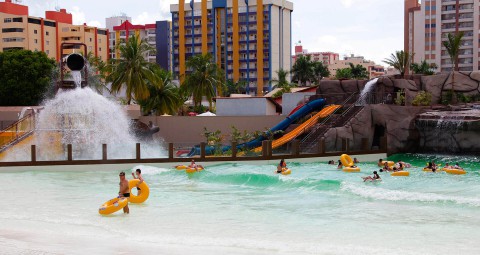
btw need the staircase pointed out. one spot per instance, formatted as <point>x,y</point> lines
<point>16,132</point>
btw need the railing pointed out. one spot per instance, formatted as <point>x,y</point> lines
<point>289,151</point>
<point>17,131</point>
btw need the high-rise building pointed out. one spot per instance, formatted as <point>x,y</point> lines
<point>327,58</point>
<point>164,44</point>
<point>113,22</point>
<point>21,31</point>
<point>428,24</point>
<point>249,39</point>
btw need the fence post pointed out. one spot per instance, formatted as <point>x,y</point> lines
<point>365,144</point>
<point>234,149</point>
<point>295,147</point>
<point>69,152</point>
<point>264,149</point>
<point>138,151</point>
<point>104,152</point>
<point>202,150</point>
<point>34,153</point>
<point>270,149</point>
<point>170,150</point>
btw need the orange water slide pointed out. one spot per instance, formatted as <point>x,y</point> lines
<point>326,111</point>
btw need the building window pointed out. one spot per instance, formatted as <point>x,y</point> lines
<point>17,19</point>
<point>47,42</point>
<point>47,51</point>
<point>47,33</point>
<point>35,41</point>
<point>100,49</point>
<point>100,40</point>
<point>12,30</point>
<point>35,31</point>
<point>90,39</point>
<point>7,20</point>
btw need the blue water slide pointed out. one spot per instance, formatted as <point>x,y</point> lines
<point>283,125</point>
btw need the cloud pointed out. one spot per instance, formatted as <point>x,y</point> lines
<point>78,15</point>
<point>94,23</point>
<point>146,18</point>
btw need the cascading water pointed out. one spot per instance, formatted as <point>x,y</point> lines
<point>364,94</point>
<point>86,120</point>
<point>77,78</point>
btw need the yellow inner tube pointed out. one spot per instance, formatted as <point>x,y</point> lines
<point>113,205</point>
<point>425,169</point>
<point>192,170</point>
<point>183,167</point>
<point>390,163</point>
<point>401,173</point>
<point>454,171</point>
<point>286,171</point>
<point>346,160</point>
<point>351,169</point>
<point>144,191</point>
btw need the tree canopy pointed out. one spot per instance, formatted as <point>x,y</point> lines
<point>25,77</point>
<point>308,72</point>
<point>401,61</point>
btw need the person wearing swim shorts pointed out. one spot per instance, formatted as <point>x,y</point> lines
<point>139,177</point>
<point>124,190</point>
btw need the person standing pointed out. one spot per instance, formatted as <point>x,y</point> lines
<point>139,177</point>
<point>124,190</point>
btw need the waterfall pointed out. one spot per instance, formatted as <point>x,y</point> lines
<point>365,93</point>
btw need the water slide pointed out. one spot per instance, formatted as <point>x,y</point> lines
<point>302,128</point>
<point>283,125</point>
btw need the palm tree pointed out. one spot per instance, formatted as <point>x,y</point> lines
<point>302,70</point>
<point>164,94</point>
<point>205,78</point>
<point>343,73</point>
<point>400,60</point>
<point>132,70</point>
<point>452,45</point>
<point>281,81</point>
<point>423,68</point>
<point>358,71</point>
<point>232,87</point>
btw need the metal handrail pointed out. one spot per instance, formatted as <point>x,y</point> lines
<point>17,134</point>
<point>327,118</point>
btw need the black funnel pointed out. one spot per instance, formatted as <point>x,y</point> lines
<point>75,62</point>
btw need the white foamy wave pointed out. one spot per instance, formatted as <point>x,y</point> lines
<point>150,170</point>
<point>397,195</point>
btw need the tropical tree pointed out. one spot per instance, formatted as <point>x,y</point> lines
<point>344,73</point>
<point>281,81</point>
<point>400,60</point>
<point>25,77</point>
<point>164,96</point>
<point>358,71</point>
<point>232,87</point>
<point>423,68</point>
<point>452,46</point>
<point>131,70</point>
<point>97,73</point>
<point>320,71</point>
<point>205,78</point>
<point>302,71</point>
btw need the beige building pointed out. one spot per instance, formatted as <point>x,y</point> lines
<point>373,69</point>
<point>427,25</point>
<point>21,31</point>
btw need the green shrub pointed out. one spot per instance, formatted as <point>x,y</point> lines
<point>423,98</point>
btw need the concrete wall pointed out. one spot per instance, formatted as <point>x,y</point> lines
<point>291,100</point>
<point>189,130</point>
<point>247,106</point>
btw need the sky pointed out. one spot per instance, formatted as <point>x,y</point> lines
<point>369,28</point>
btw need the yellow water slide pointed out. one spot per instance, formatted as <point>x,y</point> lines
<point>326,111</point>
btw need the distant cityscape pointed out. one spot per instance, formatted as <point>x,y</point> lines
<point>228,30</point>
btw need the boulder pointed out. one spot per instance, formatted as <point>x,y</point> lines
<point>434,84</point>
<point>475,75</point>
<point>361,84</point>
<point>405,84</point>
<point>463,83</point>
<point>349,86</point>
<point>330,87</point>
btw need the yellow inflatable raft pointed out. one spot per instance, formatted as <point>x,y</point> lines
<point>351,169</point>
<point>144,191</point>
<point>390,163</point>
<point>454,171</point>
<point>192,170</point>
<point>400,173</point>
<point>286,171</point>
<point>346,160</point>
<point>113,205</point>
<point>426,169</point>
<point>183,167</point>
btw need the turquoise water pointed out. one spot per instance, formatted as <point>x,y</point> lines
<point>246,209</point>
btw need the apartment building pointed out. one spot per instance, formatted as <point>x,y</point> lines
<point>144,32</point>
<point>327,58</point>
<point>373,69</point>
<point>427,25</point>
<point>21,31</point>
<point>113,22</point>
<point>249,40</point>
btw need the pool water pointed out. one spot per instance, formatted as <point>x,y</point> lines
<point>246,209</point>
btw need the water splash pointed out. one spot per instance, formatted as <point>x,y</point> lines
<point>365,93</point>
<point>77,78</point>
